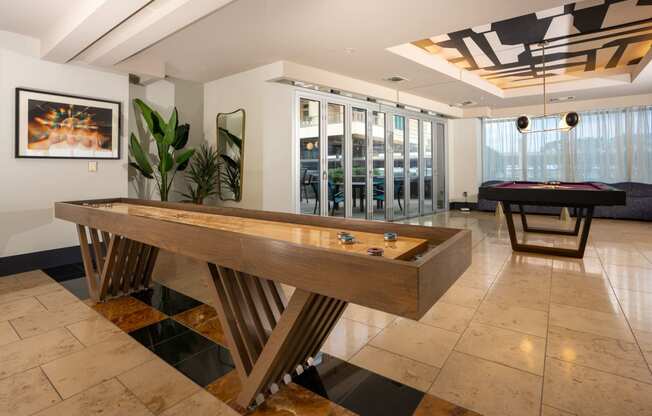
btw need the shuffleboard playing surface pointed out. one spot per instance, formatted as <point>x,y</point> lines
<point>322,237</point>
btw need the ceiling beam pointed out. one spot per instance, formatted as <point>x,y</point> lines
<point>84,25</point>
<point>152,24</point>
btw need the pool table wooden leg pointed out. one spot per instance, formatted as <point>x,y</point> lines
<point>584,238</point>
<point>269,338</point>
<point>555,251</point>
<point>507,210</point>
<point>528,229</point>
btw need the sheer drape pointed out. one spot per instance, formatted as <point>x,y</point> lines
<point>547,152</point>
<point>502,150</point>
<point>599,147</point>
<point>608,146</point>
<point>641,127</point>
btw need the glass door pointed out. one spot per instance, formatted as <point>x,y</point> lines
<point>334,188</point>
<point>398,158</point>
<point>378,136</point>
<point>440,170</point>
<point>428,184</point>
<point>365,160</point>
<point>414,189</point>
<point>309,157</point>
<point>359,163</point>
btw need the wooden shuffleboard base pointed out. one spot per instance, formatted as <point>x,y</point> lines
<point>117,265</point>
<point>269,337</point>
<point>251,253</point>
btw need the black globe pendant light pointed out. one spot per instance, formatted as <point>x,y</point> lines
<point>567,121</point>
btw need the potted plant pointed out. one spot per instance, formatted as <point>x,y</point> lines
<point>203,175</point>
<point>170,138</point>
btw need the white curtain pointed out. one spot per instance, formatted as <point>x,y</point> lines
<point>607,146</point>
<point>599,147</point>
<point>502,150</point>
<point>641,127</point>
<point>547,151</point>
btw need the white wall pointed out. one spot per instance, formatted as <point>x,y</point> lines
<point>269,165</point>
<point>465,168</point>
<point>189,100</point>
<point>29,187</point>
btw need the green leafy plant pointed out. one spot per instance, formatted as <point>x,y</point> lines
<point>230,166</point>
<point>203,173</point>
<point>170,139</point>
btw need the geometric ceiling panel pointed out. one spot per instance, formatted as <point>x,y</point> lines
<point>583,39</point>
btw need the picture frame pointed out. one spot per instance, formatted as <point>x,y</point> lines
<point>51,125</point>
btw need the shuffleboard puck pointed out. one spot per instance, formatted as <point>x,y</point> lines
<point>390,236</point>
<point>375,251</point>
<point>347,239</point>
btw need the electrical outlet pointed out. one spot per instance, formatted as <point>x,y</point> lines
<point>92,166</point>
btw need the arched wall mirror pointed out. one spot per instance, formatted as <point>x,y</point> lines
<point>230,146</point>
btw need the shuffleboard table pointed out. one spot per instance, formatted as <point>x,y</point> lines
<point>250,253</point>
<point>583,196</point>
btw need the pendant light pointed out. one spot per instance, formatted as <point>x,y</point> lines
<point>567,121</point>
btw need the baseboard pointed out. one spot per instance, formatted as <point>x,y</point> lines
<point>458,205</point>
<point>39,260</point>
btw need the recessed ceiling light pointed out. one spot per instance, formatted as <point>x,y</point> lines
<point>560,99</point>
<point>395,78</point>
<point>464,104</point>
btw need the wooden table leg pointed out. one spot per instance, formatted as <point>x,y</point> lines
<point>265,349</point>
<point>117,266</point>
<point>507,210</point>
<point>91,271</point>
<point>528,229</point>
<point>555,251</point>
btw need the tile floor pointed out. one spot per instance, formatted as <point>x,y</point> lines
<point>516,335</point>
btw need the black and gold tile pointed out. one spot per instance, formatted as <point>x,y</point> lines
<point>359,390</point>
<point>128,313</point>
<point>208,365</point>
<point>294,399</point>
<point>226,388</point>
<point>434,406</point>
<point>204,320</point>
<point>158,332</point>
<point>166,300</point>
<point>187,334</point>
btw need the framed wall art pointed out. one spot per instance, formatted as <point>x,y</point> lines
<point>52,125</point>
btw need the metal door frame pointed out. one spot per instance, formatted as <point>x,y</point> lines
<point>390,111</point>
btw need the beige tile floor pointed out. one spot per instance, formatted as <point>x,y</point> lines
<point>60,357</point>
<point>516,335</point>
<point>519,334</point>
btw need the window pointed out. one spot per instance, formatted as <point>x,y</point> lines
<point>608,146</point>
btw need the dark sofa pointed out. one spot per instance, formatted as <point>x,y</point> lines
<point>639,203</point>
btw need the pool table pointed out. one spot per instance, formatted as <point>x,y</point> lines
<point>583,196</point>
<point>250,253</point>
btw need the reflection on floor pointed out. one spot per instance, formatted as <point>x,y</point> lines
<point>516,335</point>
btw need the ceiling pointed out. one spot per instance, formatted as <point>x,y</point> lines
<point>35,17</point>
<point>203,40</point>
<point>582,39</point>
